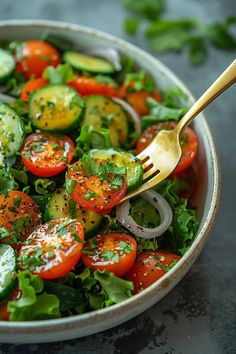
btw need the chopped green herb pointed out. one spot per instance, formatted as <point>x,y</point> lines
<point>89,195</point>
<point>131,25</point>
<point>72,208</point>
<point>51,105</point>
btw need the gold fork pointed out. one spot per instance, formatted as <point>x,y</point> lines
<point>162,155</point>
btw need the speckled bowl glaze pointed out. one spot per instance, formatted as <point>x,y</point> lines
<point>206,200</point>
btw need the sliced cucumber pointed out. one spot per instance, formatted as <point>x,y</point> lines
<point>59,206</point>
<point>134,175</point>
<point>7,65</point>
<point>88,63</point>
<point>102,112</point>
<point>55,108</point>
<point>11,131</point>
<point>8,268</point>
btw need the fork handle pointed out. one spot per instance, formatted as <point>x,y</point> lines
<point>225,80</point>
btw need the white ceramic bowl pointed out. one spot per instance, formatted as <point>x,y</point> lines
<point>206,200</point>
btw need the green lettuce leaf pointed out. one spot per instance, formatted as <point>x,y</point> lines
<point>145,244</point>
<point>33,304</point>
<point>161,113</point>
<point>174,97</point>
<point>116,289</point>
<point>59,75</point>
<point>184,225</point>
<point>7,181</point>
<point>150,9</point>
<point>103,289</point>
<point>68,296</point>
<point>90,138</point>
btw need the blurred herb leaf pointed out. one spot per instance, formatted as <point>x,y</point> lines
<point>188,34</point>
<point>150,9</point>
<point>131,25</point>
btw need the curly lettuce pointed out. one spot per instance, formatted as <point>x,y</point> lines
<point>33,304</point>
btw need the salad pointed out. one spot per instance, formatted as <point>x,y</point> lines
<point>69,142</point>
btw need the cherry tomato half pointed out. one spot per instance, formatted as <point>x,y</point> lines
<point>19,214</point>
<point>35,56</point>
<point>188,140</point>
<point>31,86</point>
<point>113,252</point>
<point>149,267</point>
<point>14,295</point>
<point>53,249</point>
<point>47,155</point>
<point>137,99</point>
<point>92,192</point>
<point>89,86</point>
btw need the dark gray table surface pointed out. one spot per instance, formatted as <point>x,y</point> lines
<point>199,315</point>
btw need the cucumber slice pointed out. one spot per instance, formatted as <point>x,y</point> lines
<point>11,131</point>
<point>102,112</point>
<point>88,63</point>
<point>59,206</point>
<point>7,65</point>
<point>134,175</point>
<point>55,108</point>
<point>8,268</point>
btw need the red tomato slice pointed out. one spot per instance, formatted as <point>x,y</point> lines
<point>113,252</point>
<point>35,56</point>
<point>92,192</point>
<point>137,99</point>
<point>4,314</point>
<point>89,86</point>
<point>53,249</point>
<point>31,86</point>
<point>188,138</point>
<point>149,267</point>
<point>47,155</point>
<point>19,214</point>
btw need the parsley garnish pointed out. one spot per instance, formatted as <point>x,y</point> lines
<point>177,35</point>
<point>70,185</point>
<point>125,248</point>
<point>89,195</point>
<point>37,147</point>
<point>55,146</point>
<point>51,105</point>
<point>103,170</point>
<point>109,255</point>
<point>72,208</point>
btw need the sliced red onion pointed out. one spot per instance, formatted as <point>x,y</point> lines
<point>163,207</point>
<point>127,107</point>
<point>107,53</point>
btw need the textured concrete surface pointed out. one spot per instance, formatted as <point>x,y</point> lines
<point>198,316</point>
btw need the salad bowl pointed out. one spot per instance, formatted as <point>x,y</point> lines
<point>205,200</point>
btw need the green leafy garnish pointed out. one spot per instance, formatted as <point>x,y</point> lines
<point>150,9</point>
<point>116,289</point>
<point>160,113</point>
<point>90,138</point>
<point>59,75</point>
<point>33,304</point>
<point>140,82</point>
<point>103,170</point>
<point>179,34</point>
<point>7,181</point>
<point>104,79</point>
<point>44,186</point>
<point>131,25</point>
<point>184,225</point>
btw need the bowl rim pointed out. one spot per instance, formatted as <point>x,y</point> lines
<point>202,235</point>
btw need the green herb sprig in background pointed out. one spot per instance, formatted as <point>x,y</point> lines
<point>178,35</point>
